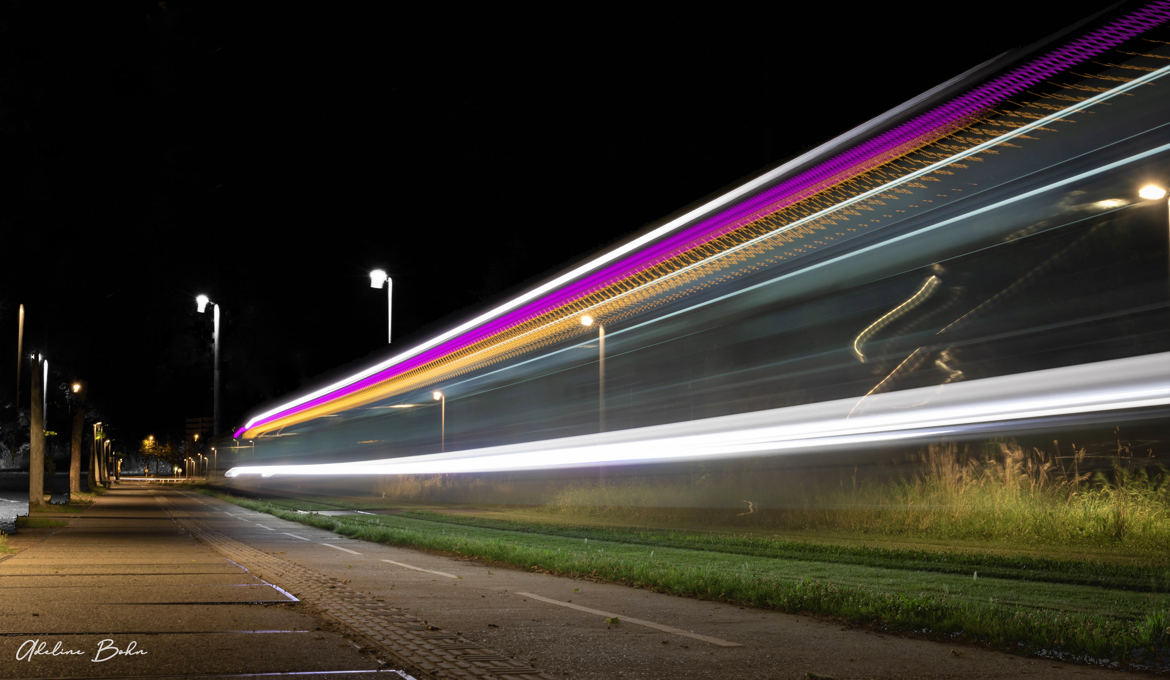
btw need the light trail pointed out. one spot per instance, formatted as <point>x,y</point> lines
<point>928,287</point>
<point>518,309</point>
<point>844,258</point>
<point>909,415</point>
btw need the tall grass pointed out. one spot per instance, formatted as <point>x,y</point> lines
<point>1005,492</point>
<point>1024,495</point>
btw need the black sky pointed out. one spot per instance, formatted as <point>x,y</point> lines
<point>271,156</point>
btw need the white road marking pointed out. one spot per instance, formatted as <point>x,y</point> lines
<point>639,622</point>
<point>337,547</point>
<point>295,536</point>
<point>264,527</point>
<point>429,571</point>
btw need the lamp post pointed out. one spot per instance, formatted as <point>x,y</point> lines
<point>106,447</point>
<point>93,475</point>
<point>442,399</point>
<point>19,351</point>
<point>377,278</point>
<point>588,321</point>
<point>78,418</point>
<point>1155,192</point>
<point>36,444</point>
<point>45,396</point>
<point>201,303</point>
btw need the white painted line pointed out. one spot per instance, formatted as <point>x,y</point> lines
<point>263,527</point>
<point>337,547</point>
<point>295,536</point>
<point>363,512</point>
<point>638,622</point>
<point>429,571</point>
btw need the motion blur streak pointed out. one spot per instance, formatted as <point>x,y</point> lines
<point>924,148</point>
<point>928,412</point>
<point>987,259</point>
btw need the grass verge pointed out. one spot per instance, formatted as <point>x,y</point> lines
<point>27,522</point>
<point>1066,609</point>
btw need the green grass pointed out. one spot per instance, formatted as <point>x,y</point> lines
<point>27,522</point>
<point>1006,495</point>
<point>1020,548</point>
<point>1075,608</point>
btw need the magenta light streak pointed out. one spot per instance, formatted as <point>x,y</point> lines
<point>914,132</point>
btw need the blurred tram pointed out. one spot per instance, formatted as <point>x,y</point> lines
<point>1004,235</point>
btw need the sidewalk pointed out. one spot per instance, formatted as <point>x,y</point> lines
<point>124,591</point>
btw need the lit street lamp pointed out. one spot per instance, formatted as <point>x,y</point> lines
<point>377,278</point>
<point>201,303</point>
<point>588,321</point>
<point>442,399</point>
<point>1152,192</point>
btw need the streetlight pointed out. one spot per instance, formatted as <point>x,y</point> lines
<point>106,447</point>
<point>19,351</point>
<point>377,278</point>
<point>1152,192</point>
<point>201,302</point>
<point>94,478</point>
<point>45,396</point>
<point>442,399</point>
<point>587,321</point>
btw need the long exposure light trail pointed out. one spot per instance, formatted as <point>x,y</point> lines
<point>839,260</point>
<point>362,379</point>
<point>908,415</point>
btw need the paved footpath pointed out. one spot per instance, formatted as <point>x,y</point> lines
<point>185,585</point>
<point>125,591</point>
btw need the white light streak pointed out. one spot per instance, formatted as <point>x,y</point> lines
<point>689,217</point>
<point>928,412</point>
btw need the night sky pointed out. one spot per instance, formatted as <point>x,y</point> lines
<point>271,157</point>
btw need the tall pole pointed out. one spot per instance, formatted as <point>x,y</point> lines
<point>19,351</point>
<point>103,477</point>
<point>201,302</point>
<point>36,445</point>
<point>92,476</point>
<point>587,321</point>
<point>601,376</point>
<point>378,277</point>
<point>75,452</point>
<point>215,378</point>
<point>442,399</point>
